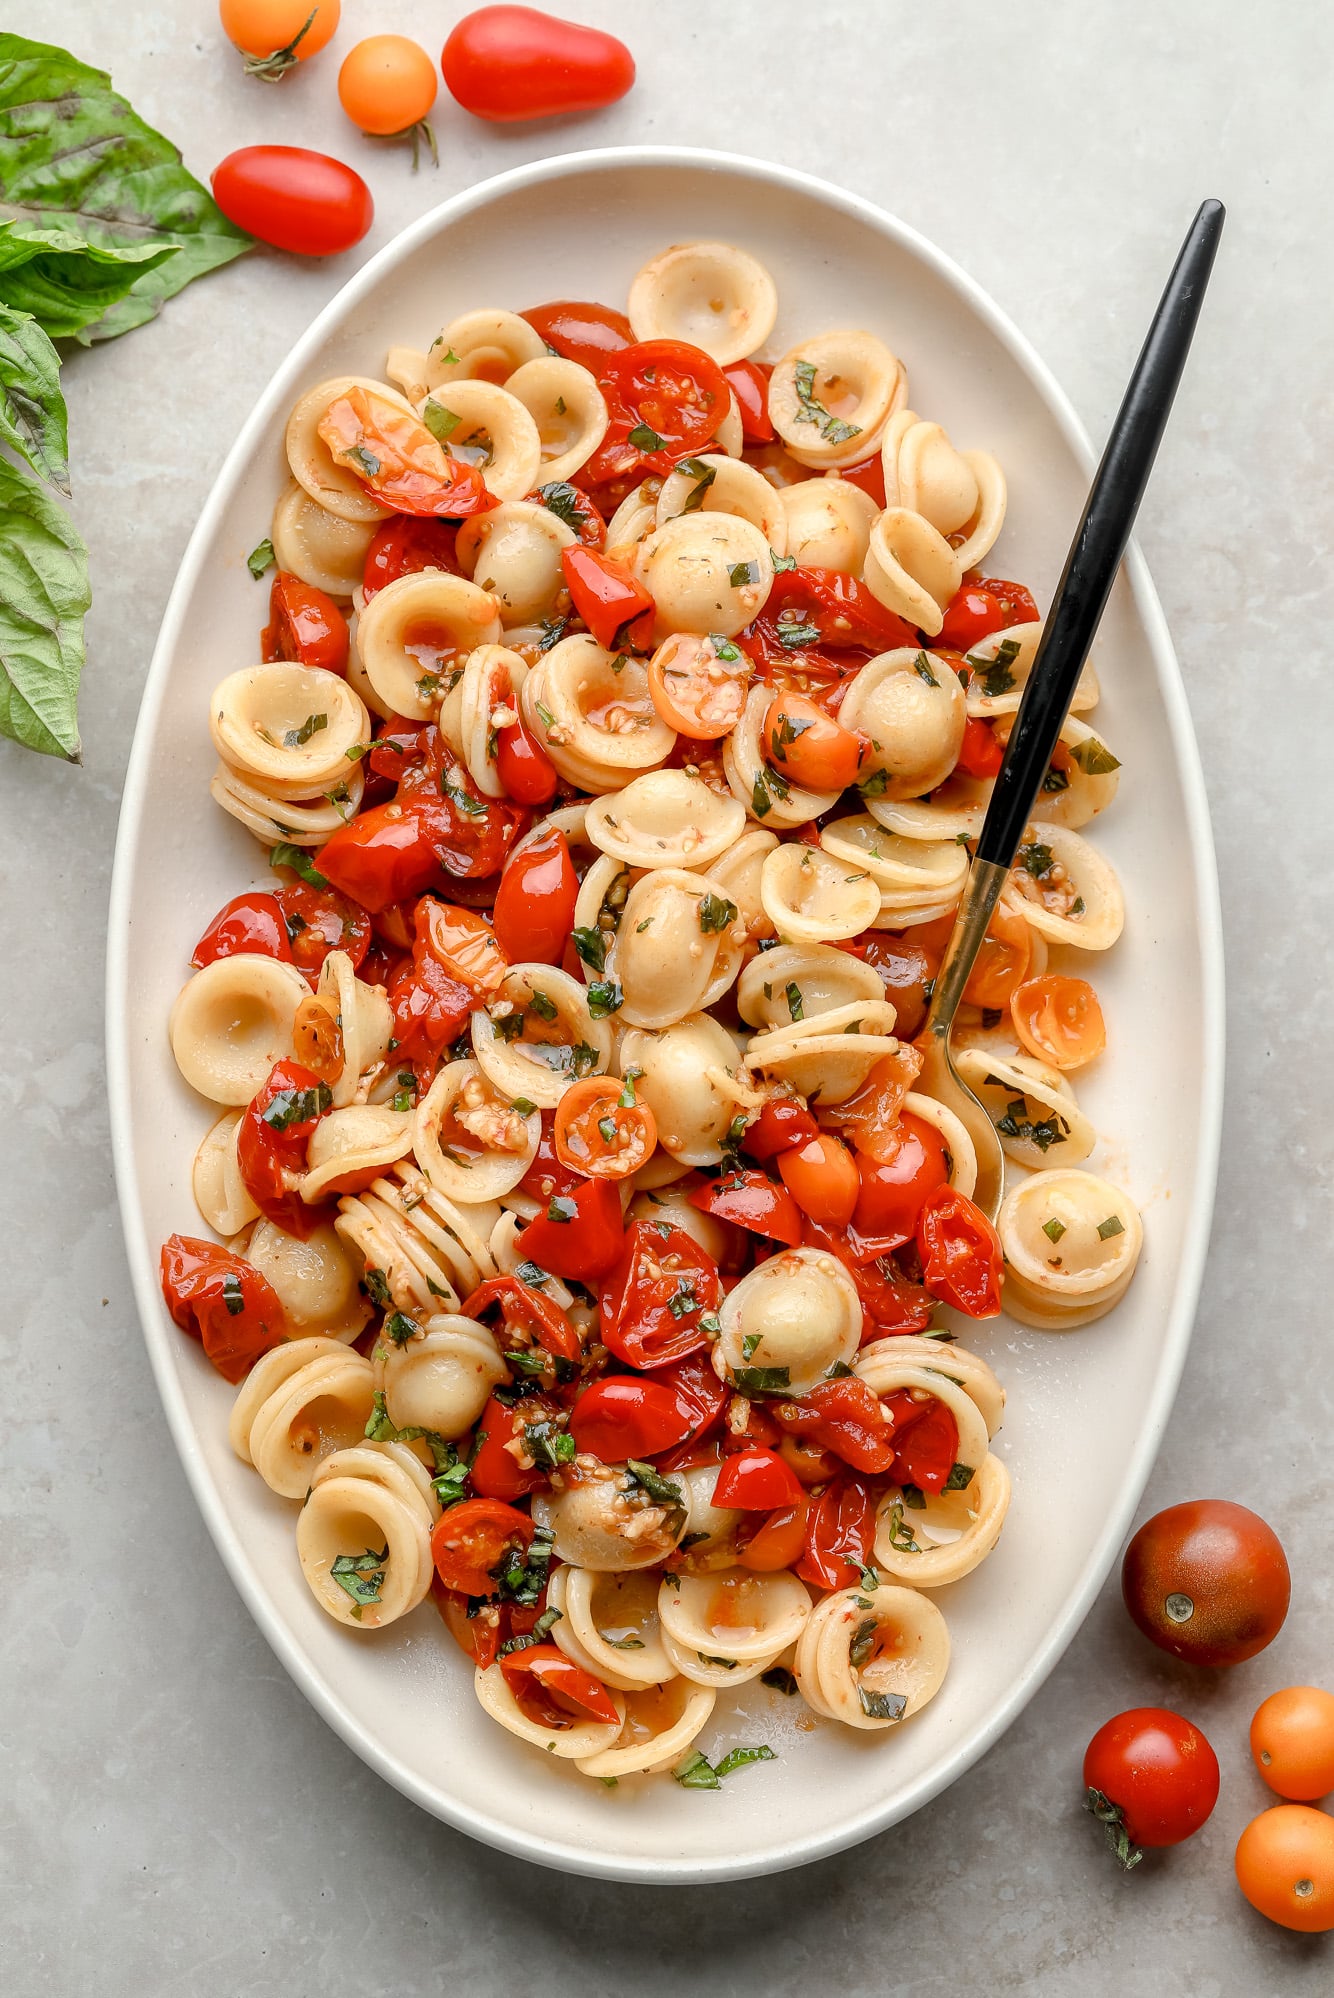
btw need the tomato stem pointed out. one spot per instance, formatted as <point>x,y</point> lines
<point>1112,1819</point>
<point>273,68</point>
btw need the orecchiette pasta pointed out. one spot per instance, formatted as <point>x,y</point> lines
<point>488,427</point>
<point>415,632</point>
<point>359,1496</point>
<point>911,569</point>
<point>568,412</point>
<point>513,553</point>
<point>1071,1244</point>
<point>320,547</point>
<point>485,346</point>
<point>711,294</point>
<point>706,572</point>
<point>232,1021</point>
<point>870,1661</point>
<point>830,398</point>
<point>791,1319</point>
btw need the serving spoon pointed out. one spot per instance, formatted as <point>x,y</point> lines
<point>1081,596</point>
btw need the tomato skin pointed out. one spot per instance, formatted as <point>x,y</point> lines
<point>387,84</point>
<point>1159,1772</point>
<point>1292,1742</point>
<point>580,330</point>
<point>393,853</point>
<point>783,1124</point>
<point>894,1191</point>
<point>494,1473</point>
<point>523,766</point>
<point>304,625</point>
<point>1285,1867</point>
<point>980,754</point>
<point>404,545</point>
<point>960,1252</point>
<point>548,1685</point>
<point>587,1244</point>
<point>398,461</point>
<point>269,1149</point>
<point>251,923</point>
<point>530,1319</point>
<point>294,199</point>
<point>981,607</point>
<point>535,901</point>
<point>822,1178</point>
<point>905,967</point>
<point>753,1202</point>
<point>223,1302</point>
<point>868,476</point>
<point>842,609</point>
<point>799,740</point>
<point>637,1322</point>
<point>507,64</point>
<point>845,1418</point>
<point>1224,1572</point>
<point>674,389</point>
<point>627,1417</point>
<point>757,1480</point>
<point>471,1539</point>
<point>606,595</point>
<point>926,1441</point>
<point>778,1541</point>
<point>749,383</point>
<point>890,1302</point>
<point>839,1534</point>
<point>317,921</point>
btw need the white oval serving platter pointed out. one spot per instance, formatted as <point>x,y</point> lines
<point>1086,1411</point>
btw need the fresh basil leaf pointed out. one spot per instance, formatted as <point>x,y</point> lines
<point>44,593</point>
<point>716,913</point>
<point>780,1679</point>
<point>260,559</point>
<point>591,945</point>
<point>284,855</point>
<point>882,1706</point>
<point>664,1490</point>
<point>441,422</point>
<point>695,1772</point>
<point>562,499</point>
<point>761,1380</point>
<point>66,283</point>
<point>32,409</point>
<point>604,997</point>
<point>361,1575</point>
<point>741,1758</point>
<point>644,438</point>
<point>959,1479</point>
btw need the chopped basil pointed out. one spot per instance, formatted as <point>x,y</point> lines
<point>995,674</point>
<point>449,358</point>
<point>521,1577</point>
<point>1077,906</point>
<point>838,1372</point>
<point>716,913</point>
<point>361,1576</point>
<point>882,1706</point>
<point>875,785</point>
<point>400,1328</point>
<point>922,668</point>
<point>749,1342</point>
<point>531,1273</point>
<point>462,801</point>
<point>300,863</point>
<point>259,559</point>
<point>1113,1225</point>
<point>760,801</point>
<point>791,632</point>
<point>703,476</point>
<point>627,1097</point>
<point>762,1380</point>
<point>796,1005</point>
<point>583,1059</point>
<point>544,1006</point>
<point>740,1758</point>
<point>782,562</point>
<point>296,1106</point>
<point>742,573</point>
<point>232,1294</point>
<point>560,405</point>
<point>367,461</point>
<point>1017,1124</point>
<point>553,630</point>
<point>862,1642</point>
<point>509,1027</point>
<point>870,1580</point>
<point>377,1288</point>
<point>562,499</point>
<point>441,422</point>
<point>644,438</point>
<point>709,1321</point>
<point>627,1643</point>
<point>812,410</point>
<point>1094,758</point>
<point>562,1208</point>
<point>1055,780</point>
<point>723,648</point>
<point>900,1533</point>
<point>539,1634</point>
<point>913,1497</point>
<point>786,732</point>
<point>548,1445</point>
<point>592,947</point>
<point>1035,859</point>
<point>780,1679</point>
<point>357,751</point>
<point>960,1477</point>
<point>991,1017</point>
<point>664,1490</point>
<point>695,1772</point>
<point>607,1126</point>
<point>297,738</point>
<point>604,997</point>
<point>683,1298</point>
<point>1053,1229</point>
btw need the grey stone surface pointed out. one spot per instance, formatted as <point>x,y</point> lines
<point>175,1820</point>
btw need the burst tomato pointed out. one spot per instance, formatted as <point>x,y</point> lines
<point>821,1176</point>
<point>980,607</point>
<point>777,1542</point>
<point>547,1685</point>
<point>223,1302</point>
<point>396,459</point>
<point>665,400</point>
<point>980,754</point>
<point>840,1531</point>
<point>495,1472</point>
<point>845,1418</point>
<point>961,1253</point>
<point>403,546</point>
<point>783,1123</point>
<point>753,1202</point>
<point>535,902</point>
<point>1059,1020</point>
<point>699,684</point>
<point>893,1190</point>
<point>626,1417</point>
<point>578,330</point>
<point>925,1440</point>
<point>701,1398</point>
<point>800,741</point>
<point>272,1140</point>
<point>905,967</point>
<point>304,625</point>
<point>749,383</point>
<point>317,921</point>
<point>531,1320</point>
<point>523,766</point>
<point>580,1233</point>
<point>615,606</point>
<point>473,1539</point>
<point>654,1299</point>
<point>250,924</point>
<point>756,1480</point>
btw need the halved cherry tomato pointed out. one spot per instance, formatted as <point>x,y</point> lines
<point>783,1123</point>
<point>545,1683</point>
<point>403,546</point>
<point>822,607</point>
<point>271,1143</point>
<point>478,1628</point>
<point>304,625</point>
<point>699,684</point>
<point>530,1318</point>
<point>471,1540</point>
<point>318,920</point>
<point>799,740</point>
<point>980,607</point>
<point>627,1417</point>
<point>701,1398</point>
<point>547,1174</point>
<point>653,1300</point>
<point>981,754</point>
<point>757,1480</point>
<point>495,1472</point>
<point>223,1302</point>
<point>891,1302</point>
<point>535,901</point>
<point>840,1531</point>
<point>510,63</point>
<point>778,1541</point>
<point>250,924</point>
<point>960,1252</point>
<point>1002,960</point>
<point>607,596</point>
<point>436,831</point>
<point>1059,1020</point>
<point>579,330</point>
<point>822,1178</point>
<point>580,1234</point>
<point>395,457</point>
<point>894,1189</point>
<point>754,1202</point>
<point>749,383</point>
<point>295,199</point>
<point>602,1130</point>
<point>523,766</point>
<point>665,400</point>
<point>926,1440</point>
<point>844,1417</point>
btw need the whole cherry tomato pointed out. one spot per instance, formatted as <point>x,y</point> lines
<point>250,924</point>
<point>531,1319</point>
<point>535,901</point>
<point>803,744</point>
<point>273,35</point>
<point>1207,1581</point>
<point>272,1140</point>
<point>893,1191</point>
<point>304,625</point>
<point>840,1533</point>
<point>627,1417</point>
<point>495,1472</point>
<point>749,383</point>
<point>981,753</point>
<point>1292,1742</point>
<point>294,199</point>
<point>665,400</point>
<point>607,597</point>
<point>657,1297</point>
<point>757,1480</point>
<point>1150,1778</point>
<point>822,1178</point>
<point>511,63</point>
<point>523,766</point>
<point>580,1233</point>
<point>548,1686</point>
<point>223,1302</point>
<point>1285,1867</point>
<point>783,1123</point>
<point>474,1539</point>
<point>961,1253</point>
<point>403,546</point>
<point>754,1202</point>
<point>387,86</point>
<point>579,330</point>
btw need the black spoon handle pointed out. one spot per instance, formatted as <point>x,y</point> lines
<point>1100,541</point>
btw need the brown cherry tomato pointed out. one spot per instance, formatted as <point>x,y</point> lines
<point>1207,1581</point>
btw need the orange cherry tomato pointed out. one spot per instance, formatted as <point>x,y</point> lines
<point>603,1130</point>
<point>473,1539</point>
<point>821,1176</point>
<point>801,742</point>
<point>1285,1867</point>
<point>387,85</point>
<point>1059,1020</point>
<point>1292,1742</point>
<point>552,1689</point>
<point>699,685</point>
<point>778,1541</point>
<point>1003,960</point>
<point>397,460</point>
<point>274,35</point>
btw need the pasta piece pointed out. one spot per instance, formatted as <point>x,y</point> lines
<point>409,370</point>
<point>683,1071</point>
<point>557,1041</point>
<point>468,1141</point>
<point>711,295</point>
<point>999,667</point>
<point>660,1724</point>
<point>712,1528</point>
<point>602,1518</point>
<point>871,1667</point>
<point>927,1539</point>
<point>968,1369</point>
<point>801,981</point>
<point>417,630</point>
<point>830,398</point>
<point>730,436</point>
<point>315,1280</point>
<point>287,727</point>
<point>960,493</point>
<point>595,718</point>
<point>364,1536</point>
<point>232,1021</point>
<point>667,946</point>
<point>633,521</point>
<point>828,523</point>
<point>441,1376</point>
<point>706,572</point>
<point>1032,1106</point>
<point>765,792</point>
<point>813,898</point>
<point>330,485</point>
<point>908,873</point>
<point>487,345</point>
<point>708,1669</point>
<point>419,1247</point>
<point>719,484</point>
<point>560,1735</point>
<point>483,700</point>
<point>1083,782</point>
<point>911,706</point>
<point>320,547</point>
<point>734,1615</point>
<point>982,532</point>
<point>911,569</point>
<point>567,1641</point>
<point>365,1021</point>
<point>487,427</point>
<point>665,819</point>
<point>305,1416</point>
<point>351,1147</point>
<point>273,819</point>
<point>221,1195</point>
<point>1065,890</point>
<point>270,1373</point>
<point>739,875</point>
<point>791,1319</point>
<point>513,553</point>
<point>568,410</point>
<point>831,1054</point>
<point>1071,1243</point>
<point>614,1621</point>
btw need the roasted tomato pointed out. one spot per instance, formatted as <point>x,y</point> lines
<point>403,546</point>
<point>627,1417</point>
<point>980,607</point>
<point>602,1130</point>
<point>961,1255</point>
<point>580,1234</point>
<point>395,457</point>
<point>272,1140</point>
<point>531,1320</point>
<point>223,1302</point>
<point>548,1686</point>
<point>665,400</point>
<point>304,625</point>
<point>840,1532</point>
<point>248,925</point>
<point>754,1202</point>
<point>475,1539</point>
<point>581,331</point>
<point>660,1300</point>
